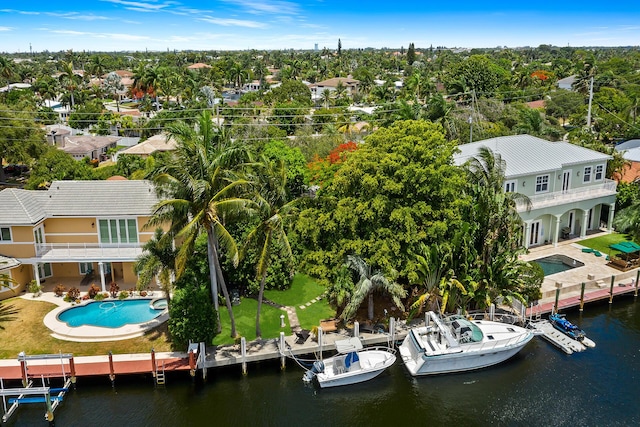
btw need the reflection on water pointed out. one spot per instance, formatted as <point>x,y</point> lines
<point>539,386</point>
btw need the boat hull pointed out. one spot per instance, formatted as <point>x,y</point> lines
<point>461,362</point>
<point>371,364</point>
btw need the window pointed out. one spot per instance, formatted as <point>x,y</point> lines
<point>599,175</point>
<point>118,231</point>
<point>586,177</point>
<point>5,234</point>
<point>510,187</point>
<point>85,267</point>
<point>45,270</point>
<point>542,184</point>
<point>38,234</point>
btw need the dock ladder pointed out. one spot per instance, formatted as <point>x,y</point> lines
<point>160,380</point>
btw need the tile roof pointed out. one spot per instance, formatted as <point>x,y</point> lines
<point>100,198</point>
<point>528,155</point>
<point>160,142</point>
<point>21,207</point>
<point>77,198</point>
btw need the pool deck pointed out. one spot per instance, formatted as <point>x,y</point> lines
<point>62,331</point>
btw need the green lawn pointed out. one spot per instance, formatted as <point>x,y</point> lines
<point>602,243</point>
<point>303,289</point>
<point>245,315</point>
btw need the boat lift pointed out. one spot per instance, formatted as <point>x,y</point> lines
<point>50,396</point>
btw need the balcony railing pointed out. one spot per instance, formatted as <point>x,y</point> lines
<point>606,188</point>
<point>88,251</point>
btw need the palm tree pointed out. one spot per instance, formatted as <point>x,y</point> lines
<point>70,80</point>
<point>113,84</point>
<point>7,69</point>
<point>200,190</point>
<point>369,282</point>
<point>498,227</point>
<point>269,236</point>
<point>7,313</point>
<point>157,260</point>
<point>431,265</point>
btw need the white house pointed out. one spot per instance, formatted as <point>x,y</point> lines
<point>566,185</point>
<point>350,85</point>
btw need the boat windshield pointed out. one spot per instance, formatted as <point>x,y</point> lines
<point>464,330</point>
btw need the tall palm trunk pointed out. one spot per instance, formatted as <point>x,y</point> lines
<point>211,256</point>
<point>370,306</point>
<point>227,300</point>
<point>260,294</point>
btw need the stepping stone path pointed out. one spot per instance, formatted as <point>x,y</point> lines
<point>294,323</point>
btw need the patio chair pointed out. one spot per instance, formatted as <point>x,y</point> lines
<point>587,250</point>
<point>597,253</point>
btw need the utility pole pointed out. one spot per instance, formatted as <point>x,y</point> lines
<point>470,120</point>
<point>590,99</point>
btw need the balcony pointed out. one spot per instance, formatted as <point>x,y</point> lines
<point>606,188</point>
<point>79,252</point>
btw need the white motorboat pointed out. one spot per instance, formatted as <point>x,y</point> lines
<point>353,364</point>
<point>456,344</point>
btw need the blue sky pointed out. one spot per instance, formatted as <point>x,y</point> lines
<point>117,25</point>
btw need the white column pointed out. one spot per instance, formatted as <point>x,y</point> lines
<point>527,234</point>
<point>101,268</point>
<point>583,228</point>
<point>557,232</point>
<point>36,273</point>
<point>612,210</point>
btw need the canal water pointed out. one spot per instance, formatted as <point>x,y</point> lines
<point>541,386</point>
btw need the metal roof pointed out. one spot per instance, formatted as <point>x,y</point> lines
<point>20,207</point>
<point>529,155</point>
<point>628,145</point>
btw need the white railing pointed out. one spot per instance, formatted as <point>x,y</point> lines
<point>608,187</point>
<point>87,250</point>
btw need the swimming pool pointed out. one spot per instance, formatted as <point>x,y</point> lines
<point>113,314</point>
<point>557,264</point>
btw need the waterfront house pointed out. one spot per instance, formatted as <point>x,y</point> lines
<point>566,185</point>
<point>93,147</point>
<point>75,230</point>
<point>631,152</point>
<point>160,142</point>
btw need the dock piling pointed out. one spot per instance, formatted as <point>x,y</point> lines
<point>153,363</point>
<point>192,363</point>
<point>613,279</point>
<point>282,356</point>
<point>243,352</point>
<point>635,292</point>
<point>356,329</point>
<point>112,374</point>
<point>582,296</point>
<point>72,370</point>
<point>23,369</point>
<point>392,330</point>
<point>555,305</point>
<point>320,341</point>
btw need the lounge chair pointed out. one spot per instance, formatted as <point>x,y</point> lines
<point>597,253</point>
<point>587,250</point>
<point>302,336</point>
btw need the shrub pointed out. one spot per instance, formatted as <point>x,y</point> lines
<point>123,295</point>
<point>34,288</point>
<point>59,290</point>
<point>98,297</point>
<point>143,293</point>
<point>192,316</point>
<point>73,293</point>
<point>113,289</point>
<point>93,291</point>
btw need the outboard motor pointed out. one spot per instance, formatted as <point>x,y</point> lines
<point>317,368</point>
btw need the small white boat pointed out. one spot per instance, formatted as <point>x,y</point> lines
<point>456,344</point>
<point>353,364</point>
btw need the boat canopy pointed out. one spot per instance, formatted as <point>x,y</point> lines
<point>348,346</point>
<point>465,329</point>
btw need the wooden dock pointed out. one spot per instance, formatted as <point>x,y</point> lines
<point>565,302</point>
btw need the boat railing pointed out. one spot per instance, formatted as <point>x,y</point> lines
<point>499,343</point>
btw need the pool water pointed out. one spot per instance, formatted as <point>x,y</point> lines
<point>113,314</point>
<point>557,264</point>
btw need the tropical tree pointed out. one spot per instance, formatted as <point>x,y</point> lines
<point>113,84</point>
<point>369,282</point>
<point>273,207</point>
<point>69,80</point>
<point>199,191</point>
<point>431,263</point>
<point>157,260</point>
<point>7,314</point>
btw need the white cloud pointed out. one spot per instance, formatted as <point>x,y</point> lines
<point>233,22</point>
<point>21,12</point>
<point>6,29</point>
<point>77,16</point>
<point>142,6</point>
<point>267,6</point>
<point>114,36</point>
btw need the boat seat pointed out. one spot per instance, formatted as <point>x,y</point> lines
<point>338,366</point>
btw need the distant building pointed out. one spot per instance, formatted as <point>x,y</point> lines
<point>350,85</point>
<point>93,147</point>
<point>566,83</point>
<point>631,152</point>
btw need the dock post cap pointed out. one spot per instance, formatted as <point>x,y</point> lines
<point>558,285</point>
